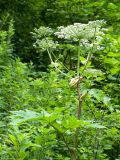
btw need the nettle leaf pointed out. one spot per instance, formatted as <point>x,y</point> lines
<point>115,70</point>
<point>19,117</point>
<point>100,96</point>
<point>96,93</point>
<point>2,124</point>
<point>59,110</point>
<point>71,123</point>
<point>94,72</point>
<point>14,140</point>
<point>57,127</point>
<point>97,125</point>
<point>106,100</point>
<point>22,155</point>
<point>50,117</point>
<point>82,60</point>
<point>112,54</point>
<point>110,61</point>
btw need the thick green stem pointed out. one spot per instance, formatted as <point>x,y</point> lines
<point>78,63</point>
<point>78,114</point>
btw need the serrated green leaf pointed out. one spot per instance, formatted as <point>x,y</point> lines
<point>97,125</point>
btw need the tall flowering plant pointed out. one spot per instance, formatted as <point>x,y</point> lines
<point>86,36</point>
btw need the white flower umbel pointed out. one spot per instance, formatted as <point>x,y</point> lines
<point>79,31</point>
<point>42,32</point>
<point>88,36</point>
<point>45,43</point>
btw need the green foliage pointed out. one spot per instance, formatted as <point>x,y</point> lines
<point>72,110</point>
<point>52,124</point>
<point>5,45</point>
<point>26,15</point>
<point>63,114</point>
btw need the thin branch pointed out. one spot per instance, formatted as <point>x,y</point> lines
<point>54,65</point>
<point>49,55</point>
<point>89,54</point>
<point>78,64</point>
<point>60,62</point>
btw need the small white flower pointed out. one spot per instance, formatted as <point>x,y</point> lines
<point>55,64</point>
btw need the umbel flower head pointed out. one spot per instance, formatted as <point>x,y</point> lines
<point>42,32</point>
<point>45,43</point>
<point>79,31</point>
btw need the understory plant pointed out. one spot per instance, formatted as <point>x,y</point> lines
<point>67,114</point>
